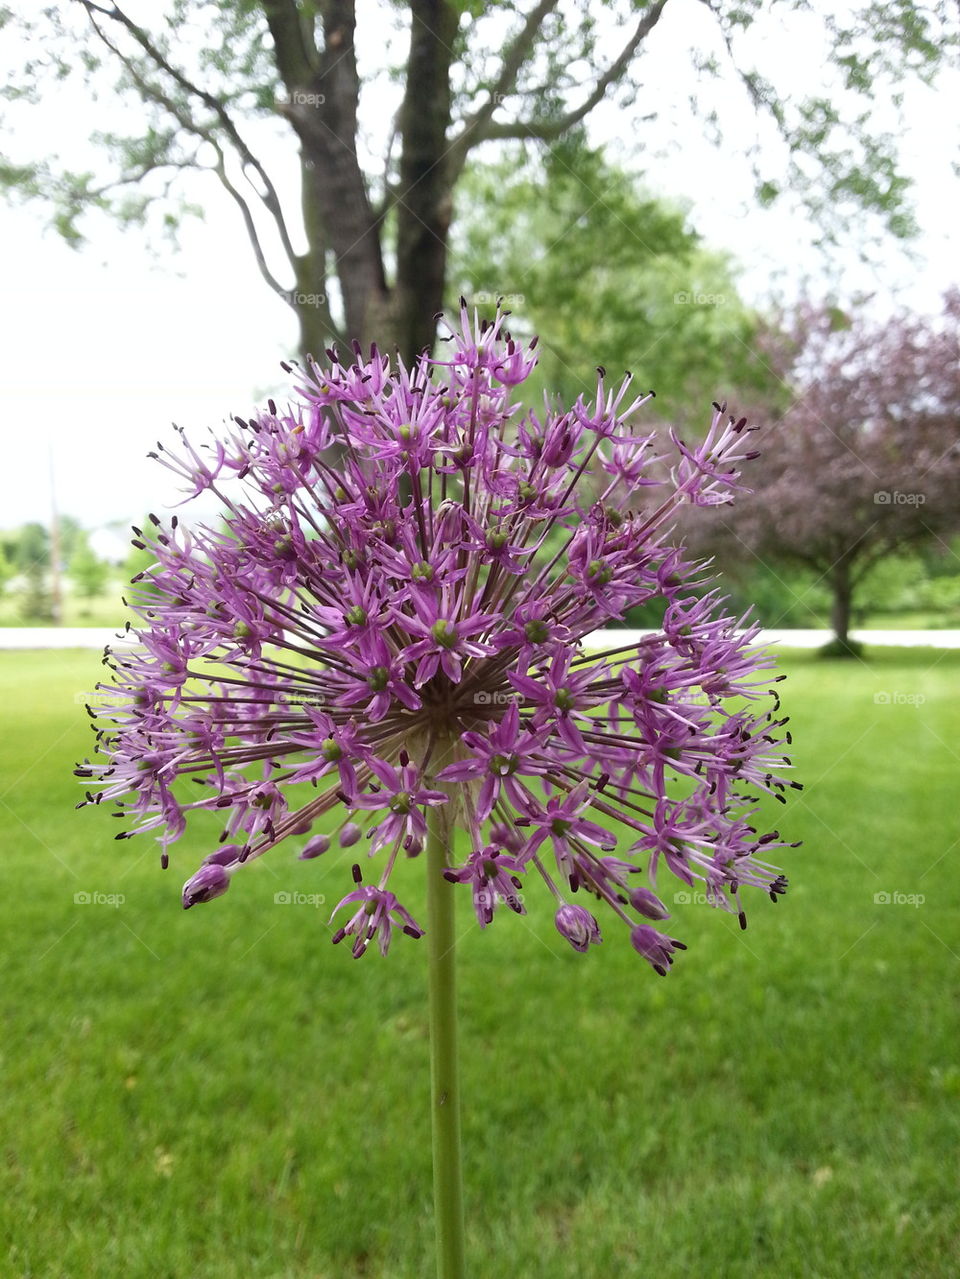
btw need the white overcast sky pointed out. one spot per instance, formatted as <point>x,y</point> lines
<point>103,349</point>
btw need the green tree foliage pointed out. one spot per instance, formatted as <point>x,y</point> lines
<point>359,250</point>
<point>72,536</point>
<point>33,566</point>
<point>88,573</point>
<point>7,569</point>
<point>589,260</point>
<point>139,560</point>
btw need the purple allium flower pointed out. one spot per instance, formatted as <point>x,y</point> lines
<point>378,915</point>
<point>493,878</point>
<point>656,949</point>
<point>403,798</point>
<point>392,613</point>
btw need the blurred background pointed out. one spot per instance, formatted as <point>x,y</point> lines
<point>742,165</point>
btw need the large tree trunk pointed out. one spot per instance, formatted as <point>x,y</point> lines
<point>310,301</point>
<point>840,608</point>
<point>323,110</point>
<point>330,134</point>
<point>323,88</point>
<point>424,202</point>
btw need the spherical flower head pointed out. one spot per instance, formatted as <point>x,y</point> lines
<point>390,618</point>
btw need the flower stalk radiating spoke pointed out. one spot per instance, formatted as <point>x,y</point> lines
<point>384,638</point>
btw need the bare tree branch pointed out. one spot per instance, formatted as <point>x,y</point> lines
<point>515,56</point>
<point>220,169</point>
<point>268,196</point>
<point>424,202</point>
<point>137,176</point>
<point>550,130</point>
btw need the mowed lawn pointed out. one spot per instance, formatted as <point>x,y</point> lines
<point>221,1093</point>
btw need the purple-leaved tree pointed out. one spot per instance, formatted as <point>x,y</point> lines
<point>865,460</point>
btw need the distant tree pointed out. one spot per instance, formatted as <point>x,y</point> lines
<point>33,566</point>
<point>7,569</point>
<point>864,463</point>
<point>139,560</point>
<point>88,573</point>
<point>72,536</point>
<point>590,261</point>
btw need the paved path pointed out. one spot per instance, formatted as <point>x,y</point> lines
<point>812,639</point>
<point>97,637</point>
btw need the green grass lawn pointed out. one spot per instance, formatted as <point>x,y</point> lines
<point>221,1093</point>
<point>102,610</point>
<point>108,610</point>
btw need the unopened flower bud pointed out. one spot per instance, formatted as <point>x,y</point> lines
<point>507,837</point>
<point>224,856</point>
<point>648,904</point>
<point>558,446</point>
<point>349,835</point>
<point>211,880</point>
<point>578,926</point>
<point>314,847</point>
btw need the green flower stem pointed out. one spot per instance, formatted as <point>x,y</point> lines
<point>444,1065</point>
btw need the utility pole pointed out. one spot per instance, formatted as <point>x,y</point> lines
<point>56,586</point>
